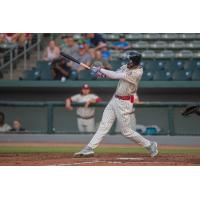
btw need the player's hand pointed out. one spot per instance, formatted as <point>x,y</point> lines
<point>96,71</point>
<point>87,104</point>
<point>69,108</point>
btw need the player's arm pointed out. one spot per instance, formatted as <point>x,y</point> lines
<point>68,104</point>
<point>113,75</point>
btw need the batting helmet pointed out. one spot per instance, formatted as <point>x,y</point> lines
<point>135,57</point>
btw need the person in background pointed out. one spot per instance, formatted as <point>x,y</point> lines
<point>3,126</point>
<point>106,54</point>
<point>51,52</point>
<point>17,127</point>
<point>60,70</point>
<point>96,40</point>
<point>85,114</point>
<point>122,44</point>
<point>70,46</point>
<point>99,61</point>
<point>82,56</point>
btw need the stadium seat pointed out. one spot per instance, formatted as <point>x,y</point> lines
<point>166,54</point>
<point>160,64</point>
<point>177,45</point>
<point>174,64</point>
<point>181,75</point>
<point>85,75</point>
<point>141,45</point>
<point>152,36</point>
<point>30,75</point>
<point>41,63</point>
<point>148,54</point>
<point>196,75</point>
<point>116,64</point>
<point>134,36</point>
<point>159,45</point>
<point>194,44</point>
<point>185,54</point>
<point>191,64</point>
<point>150,65</point>
<point>169,36</point>
<point>161,76</point>
<point>147,76</point>
<point>74,75</point>
<point>196,55</point>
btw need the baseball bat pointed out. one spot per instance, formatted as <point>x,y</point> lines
<point>74,60</point>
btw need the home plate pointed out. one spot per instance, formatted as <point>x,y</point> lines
<point>135,159</point>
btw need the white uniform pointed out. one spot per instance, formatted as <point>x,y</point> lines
<point>85,116</point>
<point>121,110</point>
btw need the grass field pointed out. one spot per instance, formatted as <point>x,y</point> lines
<point>42,154</point>
<point>53,149</point>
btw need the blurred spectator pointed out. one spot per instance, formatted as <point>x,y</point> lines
<point>122,44</point>
<point>96,40</point>
<point>70,46</point>
<point>85,114</point>
<point>60,70</point>
<point>11,37</point>
<point>3,126</point>
<point>51,52</point>
<point>17,127</point>
<point>82,56</point>
<point>99,61</point>
<point>2,38</point>
<point>106,53</point>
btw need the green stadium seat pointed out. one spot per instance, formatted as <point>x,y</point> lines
<point>181,75</point>
<point>196,75</point>
<point>42,63</point>
<point>194,44</point>
<point>161,76</point>
<point>159,45</point>
<point>85,75</point>
<point>177,45</point>
<point>134,36</point>
<point>151,36</point>
<point>191,64</point>
<point>141,45</point>
<point>169,36</point>
<point>30,75</point>
<point>166,54</point>
<point>185,54</point>
<point>148,54</point>
<point>147,76</point>
<point>115,64</point>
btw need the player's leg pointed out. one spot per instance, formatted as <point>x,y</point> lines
<point>80,125</point>
<point>123,110</point>
<point>90,126</point>
<point>106,123</point>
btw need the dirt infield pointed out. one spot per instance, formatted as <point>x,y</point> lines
<point>62,159</point>
<point>100,158</point>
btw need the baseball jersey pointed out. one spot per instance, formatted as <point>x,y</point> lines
<point>82,111</point>
<point>129,85</point>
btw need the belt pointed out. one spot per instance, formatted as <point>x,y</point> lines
<point>85,117</point>
<point>131,98</point>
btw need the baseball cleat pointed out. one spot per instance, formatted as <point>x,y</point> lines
<point>85,152</point>
<point>153,150</point>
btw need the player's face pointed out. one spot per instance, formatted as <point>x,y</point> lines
<point>85,91</point>
<point>131,65</point>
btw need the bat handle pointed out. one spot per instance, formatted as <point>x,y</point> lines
<point>84,65</point>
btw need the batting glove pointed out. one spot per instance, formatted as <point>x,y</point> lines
<point>95,71</point>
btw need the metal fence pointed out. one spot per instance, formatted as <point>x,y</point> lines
<point>169,109</point>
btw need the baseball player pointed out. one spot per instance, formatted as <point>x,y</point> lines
<point>85,115</point>
<point>120,106</point>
